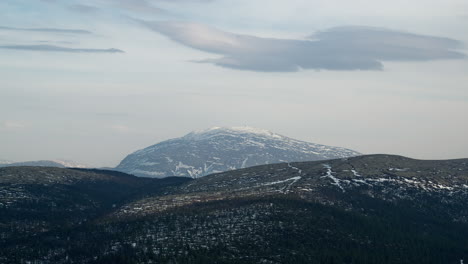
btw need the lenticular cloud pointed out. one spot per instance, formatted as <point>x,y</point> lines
<point>341,48</point>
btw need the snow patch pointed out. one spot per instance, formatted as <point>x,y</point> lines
<point>147,163</point>
<point>182,165</point>
<point>397,169</point>
<point>360,181</point>
<point>295,168</point>
<point>244,162</point>
<point>152,173</point>
<point>199,135</point>
<point>283,181</point>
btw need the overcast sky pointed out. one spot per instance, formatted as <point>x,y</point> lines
<point>92,81</point>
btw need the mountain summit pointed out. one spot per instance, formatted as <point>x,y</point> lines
<point>220,149</point>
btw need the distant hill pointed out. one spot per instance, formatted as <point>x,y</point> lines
<point>366,209</point>
<point>222,149</point>
<point>34,200</point>
<point>386,177</point>
<point>44,163</point>
<point>2,162</point>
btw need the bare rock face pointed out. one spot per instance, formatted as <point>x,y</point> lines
<point>223,149</point>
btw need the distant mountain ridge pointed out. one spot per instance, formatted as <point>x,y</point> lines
<point>4,162</point>
<point>43,163</point>
<point>220,149</point>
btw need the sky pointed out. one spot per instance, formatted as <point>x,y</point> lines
<point>93,81</point>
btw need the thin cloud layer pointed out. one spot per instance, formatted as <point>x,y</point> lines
<point>84,9</point>
<point>52,48</point>
<point>138,6</point>
<point>48,30</point>
<point>47,45</point>
<point>341,48</point>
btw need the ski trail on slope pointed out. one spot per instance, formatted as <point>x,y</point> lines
<point>355,173</point>
<point>335,180</point>
<point>295,179</point>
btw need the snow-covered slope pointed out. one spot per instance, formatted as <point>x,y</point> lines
<point>221,149</point>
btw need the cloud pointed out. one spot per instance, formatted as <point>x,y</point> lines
<point>48,30</point>
<point>57,42</point>
<point>51,48</point>
<point>84,9</point>
<point>121,128</point>
<point>13,125</point>
<point>138,6</point>
<point>341,48</point>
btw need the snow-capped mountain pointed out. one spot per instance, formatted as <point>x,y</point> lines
<point>222,149</point>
